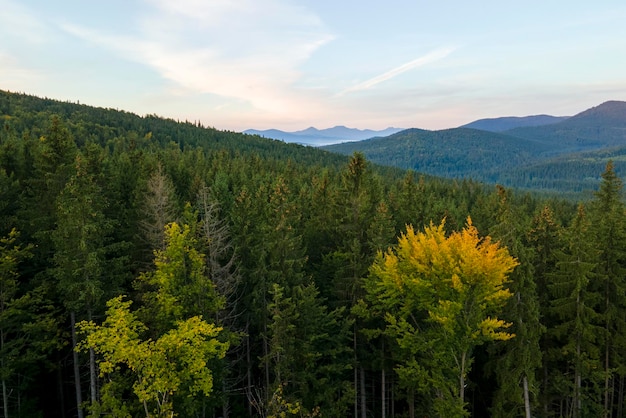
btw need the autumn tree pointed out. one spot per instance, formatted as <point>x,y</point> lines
<point>439,297</point>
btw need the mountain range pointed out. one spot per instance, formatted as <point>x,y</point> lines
<point>511,122</point>
<point>318,137</point>
<point>555,154</point>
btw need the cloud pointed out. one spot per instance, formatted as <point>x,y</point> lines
<point>429,58</point>
<point>245,50</point>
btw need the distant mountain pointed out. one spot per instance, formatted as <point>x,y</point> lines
<point>564,156</point>
<point>510,122</point>
<point>319,137</point>
<point>457,152</point>
<point>600,127</point>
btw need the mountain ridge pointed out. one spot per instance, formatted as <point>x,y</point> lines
<point>318,137</point>
<point>523,157</point>
<point>505,123</point>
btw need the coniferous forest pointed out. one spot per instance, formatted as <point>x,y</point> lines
<point>153,268</point>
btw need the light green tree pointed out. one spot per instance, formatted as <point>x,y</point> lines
<point>161,368</point>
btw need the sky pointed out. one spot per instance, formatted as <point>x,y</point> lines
<point>242,64</point>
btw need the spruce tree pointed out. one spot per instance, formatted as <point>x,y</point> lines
<point>518,360</point>
<point>578,331</point>
<point>609,237</point>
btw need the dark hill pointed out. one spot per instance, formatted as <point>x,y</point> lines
<point>564,156</point>
<point>512,122</point>
<point>458,152</point>
<point>600,127</point>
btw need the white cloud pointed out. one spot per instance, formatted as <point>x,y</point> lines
<point>247,50</point>
<point>429,58</point>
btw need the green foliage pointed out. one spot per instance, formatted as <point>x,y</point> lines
<point>557,158</point>
<point>162,368</point>
<point>276,247</point>
<point>180,285</point>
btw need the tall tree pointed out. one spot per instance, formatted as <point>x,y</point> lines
<point>11,254</point>
<point>80,253</point>
<point>159,209</point>
<point>518,360</point>
<point>309,350</point>
<point>609,234</point>
<point>439,296</point>
<point>578,331</point>
<point>545,237</point>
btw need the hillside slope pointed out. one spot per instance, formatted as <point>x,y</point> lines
<point>457,152</point>
<point>603,126</point>
<point>511,122</point>
<point>540,157</point>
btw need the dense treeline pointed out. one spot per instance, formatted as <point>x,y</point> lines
<point>149,267</point>
<point>563,157</point>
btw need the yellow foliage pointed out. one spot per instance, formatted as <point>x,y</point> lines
<point>458,280</point>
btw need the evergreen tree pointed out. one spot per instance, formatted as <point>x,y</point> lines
<point>80,254</point>
<point>545,237</point>
<point>609,236</point>
<point>577,332</point>
<point>519,359</point>
<point>309,350</point>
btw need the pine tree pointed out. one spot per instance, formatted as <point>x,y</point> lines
<point>609,236</point>
<point>545,239</point>
<point>519,359</point>
<point>578,332</point>
<point>80,254</point>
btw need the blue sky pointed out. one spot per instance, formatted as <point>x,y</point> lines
<point>293,64</point>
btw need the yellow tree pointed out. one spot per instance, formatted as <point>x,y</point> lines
<point>440,297</point>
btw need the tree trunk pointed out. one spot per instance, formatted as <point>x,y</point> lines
<point>462,378</point>
<point>620,397</point>
<point>5,401</point>
<point>249,365</point>
<point>382,393</point>
<point>606,380</point>
<point>363,394</point>
<point>267,364</point>
<point>526,397</point>
<point>356,377</point>
<point>93,376</point>
<point>79,396</point>
<point>411,396</point>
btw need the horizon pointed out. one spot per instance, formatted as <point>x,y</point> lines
<point>286,65</point>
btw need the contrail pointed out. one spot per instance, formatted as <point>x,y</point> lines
<point>419,62</point>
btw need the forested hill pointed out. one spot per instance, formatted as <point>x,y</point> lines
<point>506,123</point>
<point>542,157</point>
<point>22,112</point>
<point>600,127</point>
<point>152,268</point>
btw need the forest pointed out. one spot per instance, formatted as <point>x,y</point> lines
<point>565,156</point>
<point>157,268</point>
